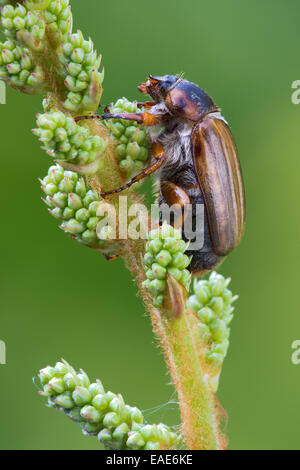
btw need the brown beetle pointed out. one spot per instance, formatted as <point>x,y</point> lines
<point>196,161</point>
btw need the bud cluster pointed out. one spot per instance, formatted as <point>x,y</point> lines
<point>70,200</point>
<point>26,25</point>
<point>117,425</point>
<point>130,138</point>
<point>165,254</point>
<point>212,302</point>
<point>65,140</point>
<point>82,76</point>
<point>19,18</point>
<point>58,16</point>
<point>18,68</point>
<point>28,17</point>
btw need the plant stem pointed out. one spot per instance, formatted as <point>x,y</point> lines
<point>180,341</point>
<point>184,350</point>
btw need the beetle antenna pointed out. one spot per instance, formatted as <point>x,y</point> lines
<point>180,77</point>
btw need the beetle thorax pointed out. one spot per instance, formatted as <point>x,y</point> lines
<point>175,138</point>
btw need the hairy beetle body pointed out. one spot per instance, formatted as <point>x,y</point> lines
<point>195,161</point>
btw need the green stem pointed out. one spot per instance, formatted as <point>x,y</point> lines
<point>184,350</point>
<point>180,340</point>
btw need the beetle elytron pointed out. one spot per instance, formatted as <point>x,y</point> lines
<point>195,159</point>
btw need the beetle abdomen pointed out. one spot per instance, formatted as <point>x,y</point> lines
<point>203,259</point>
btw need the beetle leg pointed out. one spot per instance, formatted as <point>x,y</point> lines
<point>158,154</point>
<point>144,118</point>
<point>173,194</point>
<point>111,257</point>
<point>145,104</point>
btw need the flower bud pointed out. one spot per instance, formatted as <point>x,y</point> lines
<point>70,199</point>
<point>57,385</point>
<point>101,402</point>
<point>81,396</point>
<point>96,388</point>
<point>111,420</point>
<point>65,140</point>
<point>82,76</point>
<point>46,374</point>
<point>18,68</point>
<point>212,302</point>
<point>90,413</point>
<point>64,400</point>
<point>130,138</point>
<point>121,433</point>
<point>164,255</point>
<point>71,381</point>
<point>135,441</point>
<point>105,436</point>
<point>118,426</point>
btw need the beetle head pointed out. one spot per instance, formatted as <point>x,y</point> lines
<point>158,87</point>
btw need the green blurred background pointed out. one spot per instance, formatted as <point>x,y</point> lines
<point>61,299</point>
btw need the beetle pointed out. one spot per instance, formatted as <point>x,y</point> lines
<point>196,162</point>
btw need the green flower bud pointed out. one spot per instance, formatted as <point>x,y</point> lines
<point>206,315</point>
<point>96,388</point>
<point>175,273</point>
<point>71,381</point>
<point>69,199</point>
<point>75,415</point>
<point>101,402</point>
<point>81,396</point>
<point>157,286</point>
<point>164,258</point>
<point>57,385</point>
<point>19,18</point>
<point>82,76</point>
<point>193,303</point>
<point>212,302</point>
<point>120,434</point>
<point>159,272</point>
<point>135,441</point>
<point>217,304</point>
<point>61,368</point>
<point>136,415</point>
<point>64,400</point>
<point>111,420</point>
<point>130,138</point>
<point>46,374</point>
<point>18,68</point>
<point>65,140</point>
<point>73,226</point>
<point>118,426</point>
<point>84,380</point>
<point>105,436</point>
<point>91,429</point>
<point>165,254</point>
<point>90,413</point>
<point>58,17</point>
<point>154,246</point>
